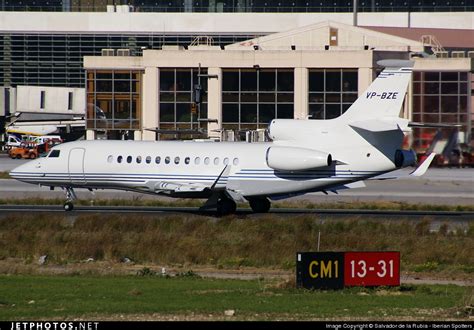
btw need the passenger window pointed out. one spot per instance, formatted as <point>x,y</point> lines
<point>236,161</point>
<point>129,159</point>
<point>167,159</point>
<point>207,160</point>
<point>226,161</point>
<point>139,159</point>
<point>119,159</point>
<point>176,160</point>
<point>54,154</point>
<point>197,160</point>
<point>148,159</point>
<point>110,159</point>
<point>187,160</point>
<point>216,161</point>
<point>157,159</point>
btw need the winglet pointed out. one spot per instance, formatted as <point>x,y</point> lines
<point>420,170</point>
<point>224,174</point>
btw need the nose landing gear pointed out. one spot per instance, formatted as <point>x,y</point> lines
<point>70,197</point>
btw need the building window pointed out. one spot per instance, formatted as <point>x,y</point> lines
<point>42,99</point>
<point>331,92</point>
<point>69,100</point>
<point>251,98</point>
<point>441,98</point>
<point>113,99</point>
<point>177,88</point>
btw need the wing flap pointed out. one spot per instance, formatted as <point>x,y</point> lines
<point>169,187</point>
<point>352,185</point>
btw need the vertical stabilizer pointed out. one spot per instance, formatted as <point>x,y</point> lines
<point>384,97</point>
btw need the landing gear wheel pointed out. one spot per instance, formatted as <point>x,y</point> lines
<point>68,206</point>
<point>260,205</point>
<point>226,206</point>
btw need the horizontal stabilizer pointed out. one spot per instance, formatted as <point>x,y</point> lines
<point>381,124</point>
<point>432,125</point>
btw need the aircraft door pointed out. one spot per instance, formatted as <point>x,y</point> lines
<point>76,166</point>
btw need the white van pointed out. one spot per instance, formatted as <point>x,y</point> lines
<point>12,141</point>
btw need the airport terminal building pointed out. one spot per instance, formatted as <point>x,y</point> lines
<point>224,69</point>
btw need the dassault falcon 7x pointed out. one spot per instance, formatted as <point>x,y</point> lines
<point>304,156</point>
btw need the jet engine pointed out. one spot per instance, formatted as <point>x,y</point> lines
<point>404,158</point>
<point>296,159</point>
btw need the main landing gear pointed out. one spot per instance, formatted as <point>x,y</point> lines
<point>225,205</point>
<point>70,197</point>
<point>259,204</point>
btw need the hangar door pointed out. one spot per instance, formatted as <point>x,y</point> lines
<point>76,166</point>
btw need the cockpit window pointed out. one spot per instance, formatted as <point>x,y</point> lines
<point>54,153</point>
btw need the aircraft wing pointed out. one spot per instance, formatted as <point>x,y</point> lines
<point>352,185</point>
<point>419,171</point>
<point>172,187</point>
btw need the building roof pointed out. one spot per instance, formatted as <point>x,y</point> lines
<point>332,34</point>
<point>448,38</point>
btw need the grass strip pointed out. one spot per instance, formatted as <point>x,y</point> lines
<point>72,297</point>
<point>231,242</point>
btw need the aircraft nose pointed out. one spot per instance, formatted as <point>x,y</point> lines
<point>27,172</point>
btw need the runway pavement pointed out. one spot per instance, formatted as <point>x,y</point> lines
<point>438,186</point>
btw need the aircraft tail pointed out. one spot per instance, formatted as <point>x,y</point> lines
<point>384,97</point>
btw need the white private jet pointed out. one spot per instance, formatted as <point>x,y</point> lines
<point>305,156</point>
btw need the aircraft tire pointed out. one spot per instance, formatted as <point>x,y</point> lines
<point>260,205</point>
<point>68,206</point>
<point>226,206</point>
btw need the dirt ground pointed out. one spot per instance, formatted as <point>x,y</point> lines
<point>90,267</point>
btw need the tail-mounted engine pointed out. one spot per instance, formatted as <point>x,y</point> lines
<point>296,159</point>
<point>404,158</point>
